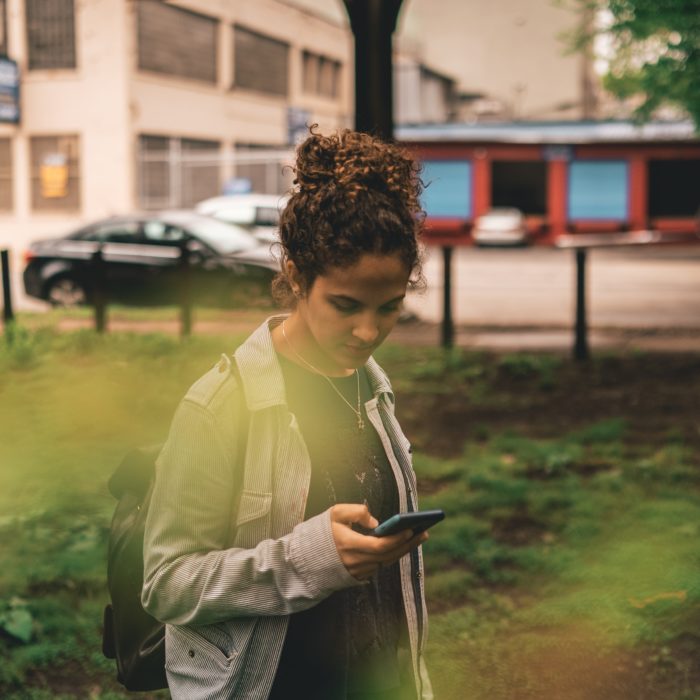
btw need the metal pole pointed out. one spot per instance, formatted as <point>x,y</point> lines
<point>373,23</point>
<point>99,299</point>
<point>186,291</point>
<point>448,330</point>
<point>7,313</point>
<point>581,351</point>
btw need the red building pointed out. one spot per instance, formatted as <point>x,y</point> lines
<point>567,177</point>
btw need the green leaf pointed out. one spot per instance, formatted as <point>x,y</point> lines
<point>18,622</point>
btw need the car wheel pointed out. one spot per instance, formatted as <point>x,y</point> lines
<point>65,291</point>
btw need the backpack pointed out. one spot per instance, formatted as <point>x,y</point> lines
<point>131,636</point>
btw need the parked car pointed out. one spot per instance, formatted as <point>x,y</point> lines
<point>257,213</point>
<point>501,226</point>
<point>141,262</point>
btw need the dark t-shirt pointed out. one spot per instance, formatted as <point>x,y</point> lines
<point>354,643</point>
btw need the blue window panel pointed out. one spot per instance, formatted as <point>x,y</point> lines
<point>598,189</point>
<point>448,191</point>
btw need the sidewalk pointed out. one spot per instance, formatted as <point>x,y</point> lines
<point>551,339</point>
<point>497,338</point>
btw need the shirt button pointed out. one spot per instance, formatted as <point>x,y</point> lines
<point>191,653</point>
<point>419,575</point>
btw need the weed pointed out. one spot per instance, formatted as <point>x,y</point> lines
<point>19,347</point>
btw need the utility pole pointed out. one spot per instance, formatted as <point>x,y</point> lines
<point>373,22</point>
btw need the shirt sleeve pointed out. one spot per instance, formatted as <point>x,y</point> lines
<point>191,575</point>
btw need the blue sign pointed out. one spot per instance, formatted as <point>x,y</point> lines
<point>9,90</point>
<point>237,185</point>
<point>557,152</point>
<point>448,188</point>
<point>298,122</point>
<point>598,189</point>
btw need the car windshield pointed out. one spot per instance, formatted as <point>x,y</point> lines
<point>223,238</point>
<point>248,215</point>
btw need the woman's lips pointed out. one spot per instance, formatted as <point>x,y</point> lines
<point>359,349</point>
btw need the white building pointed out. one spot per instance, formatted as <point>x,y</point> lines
<point>129,104</point>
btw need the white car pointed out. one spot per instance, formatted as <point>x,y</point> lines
<point>258,213</point>
<point>501,226</point>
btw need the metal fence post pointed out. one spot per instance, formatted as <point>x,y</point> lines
<point>185,291</point>
<point>99,298</point>
<point>7,313</point>
<point>448,330</point>
<point>581,350</point>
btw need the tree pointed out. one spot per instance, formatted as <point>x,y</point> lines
<point>655,51</point>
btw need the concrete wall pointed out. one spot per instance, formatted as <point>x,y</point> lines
<point>91,102</point>
<point>508,49</point>
<point>107,102</point>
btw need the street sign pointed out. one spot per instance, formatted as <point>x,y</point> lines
<point>9,90</point>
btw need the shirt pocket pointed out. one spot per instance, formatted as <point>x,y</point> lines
<point>194,665</point>
<point>205,662</point>
<point>253,505</point>
<point>253,518</point>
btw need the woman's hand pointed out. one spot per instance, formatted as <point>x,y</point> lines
<point>362,555</point>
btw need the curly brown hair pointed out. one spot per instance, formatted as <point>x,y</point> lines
<point>353,194</point>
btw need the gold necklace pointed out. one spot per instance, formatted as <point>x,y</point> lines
<point>357,411</point>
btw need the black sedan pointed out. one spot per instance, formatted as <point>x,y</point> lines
<point>150,259</point>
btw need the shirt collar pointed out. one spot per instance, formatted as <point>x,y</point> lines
<point>261,374</point>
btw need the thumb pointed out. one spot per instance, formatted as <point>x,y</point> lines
<point>349,513</point>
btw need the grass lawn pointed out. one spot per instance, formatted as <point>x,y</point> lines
<point>567,567</point>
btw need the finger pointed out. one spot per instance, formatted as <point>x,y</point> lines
<point>394,554</point>
<point>377,547</point>
<point>349,513</point>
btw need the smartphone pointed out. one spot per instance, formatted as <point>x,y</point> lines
<point>418,521</point>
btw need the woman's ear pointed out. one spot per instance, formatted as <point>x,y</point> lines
<point>294,278</point>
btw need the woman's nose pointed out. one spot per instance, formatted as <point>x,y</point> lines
<point>366,331</point>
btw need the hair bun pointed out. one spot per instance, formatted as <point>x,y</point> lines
<point>348,163</point>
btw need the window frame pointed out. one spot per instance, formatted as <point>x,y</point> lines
<point>7,180</point>
<point>34,24</point>
<point>211,79</point>
<point>73,175</point>
<point>236,82</point>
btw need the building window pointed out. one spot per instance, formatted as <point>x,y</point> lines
<point>598,190</point>
<point>448,188</point>
<point>55,173</point>
<point>3,27</point>
<point>260,62</point>
<point>5,175</point>
<point>263,167</point>
<point>50,33</point>
<point>673,188</point>
<point>520,184</point>
<point>176,42</point>
<point>176,172</point>
<point>320,75</point>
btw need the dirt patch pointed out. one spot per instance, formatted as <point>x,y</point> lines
<point>658,397</point>
<point>517,529</point>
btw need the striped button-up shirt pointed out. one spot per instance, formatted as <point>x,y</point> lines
<point>227,554</point>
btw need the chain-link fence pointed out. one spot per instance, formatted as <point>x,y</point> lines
<point>177,173</point>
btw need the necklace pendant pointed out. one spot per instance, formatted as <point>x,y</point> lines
<point>360,423</point>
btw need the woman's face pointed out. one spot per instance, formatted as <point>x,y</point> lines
<point>348,312</point>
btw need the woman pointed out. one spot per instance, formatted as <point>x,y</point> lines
<point>254,552</point>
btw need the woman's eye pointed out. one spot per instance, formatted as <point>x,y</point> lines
<point>344,308</point>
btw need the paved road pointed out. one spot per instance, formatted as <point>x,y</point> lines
<point>654,287</point>
<point>633,293</point>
